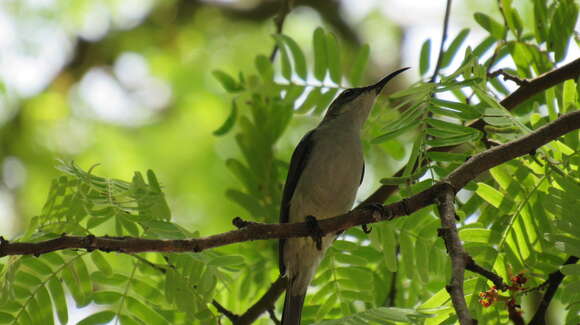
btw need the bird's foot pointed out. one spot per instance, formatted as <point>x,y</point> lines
<point>373,207</point>
<point>316,232</point>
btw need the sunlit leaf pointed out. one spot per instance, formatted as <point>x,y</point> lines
<point>454,47</point>
<point>359,65</point>
<point>320,55</point>
<point>297,56</point>
<point>496,29</point>
<point>425,57</point>
<point>229,122</point>
<point>333,56</point>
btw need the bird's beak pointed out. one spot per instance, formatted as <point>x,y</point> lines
<point>379,85</point>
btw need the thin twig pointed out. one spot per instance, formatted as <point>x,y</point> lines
<point>455,249</point>
<point>443,39</point>
<point>554,280</point>
<point>266,302</point>
<point>285,7</point>
<point>273,316</point>
<point>231,316</point>
<point>472,266</point>
<point>507,76</point>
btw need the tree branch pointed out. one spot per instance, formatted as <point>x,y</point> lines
<point>265,303</point>
<point>554,280</point>
<point>476,268</point>
<point>449,233</point>
<point>523,93</point>
<point>259,231</point>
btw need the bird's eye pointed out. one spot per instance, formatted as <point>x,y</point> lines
<point>348,92</point>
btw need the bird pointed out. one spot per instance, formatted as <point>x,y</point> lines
<point>326,169</point>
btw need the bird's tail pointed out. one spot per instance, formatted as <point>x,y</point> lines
<point>292,308</point>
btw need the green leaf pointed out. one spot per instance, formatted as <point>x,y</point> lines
<point>571,269</point>
<point>494,28</point>
<point>451,127</point>
<point>569,96</point>
<point>453,140</point>
<point>59,300</point>
<point>422,259</point>
<point>408,252</point>
<point>6,318</point>
<point>310,101</point>
<point>454,47</point>
<point>512,18</point>
<point>229,122</point>
<point>475,235</point>
<point>485,45</point>
<point>389,246</point>
<point>359,65</point>
<point>284,59</point>
<point>106,297</point>
<point>264,67</point>
<point>226,260</point>
<point>467,111</point>
<point>101,262</point>
<point>84,279</point>
<point>333,56</point>
<point>320,55</point>
<point>102,317</point>
<point>447,156</point>
<point>494,197</point>
<point>297,55</point>
<point>351,260</point>
<point>229,84</point>
<point>425,57</point>
<point>326,306</point>
<point>497,117</point>
<point>45,310</point>
<point>562,27</point>
<point>144,311</point>
<point>540,20</point>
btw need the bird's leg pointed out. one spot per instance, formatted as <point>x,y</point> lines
<point>316,231</point>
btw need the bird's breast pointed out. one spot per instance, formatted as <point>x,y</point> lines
<point>330,180</point>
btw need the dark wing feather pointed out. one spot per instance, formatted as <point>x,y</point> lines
<point>297,164</point>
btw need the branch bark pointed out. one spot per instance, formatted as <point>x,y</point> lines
<point>449,233</point>
<point>259,231</point>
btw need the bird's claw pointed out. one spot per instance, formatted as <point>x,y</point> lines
<point>316,231</point>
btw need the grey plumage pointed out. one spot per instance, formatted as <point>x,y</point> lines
<point>325,172</point>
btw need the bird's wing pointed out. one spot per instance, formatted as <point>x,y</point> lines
<point>297,164</point>
<point>362,174</point>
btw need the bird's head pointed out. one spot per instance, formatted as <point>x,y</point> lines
<point>354,104</point>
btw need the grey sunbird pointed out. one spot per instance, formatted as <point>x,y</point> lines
<point>325,172</point>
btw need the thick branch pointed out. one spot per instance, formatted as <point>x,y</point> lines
<point>523,93</point>
<point>554,280</point>
<point>257,231</point>
<point>456,252</point>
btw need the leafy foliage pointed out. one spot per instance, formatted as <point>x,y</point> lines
<point>520,217</point>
